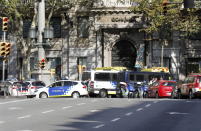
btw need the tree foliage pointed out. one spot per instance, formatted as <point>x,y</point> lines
<point>174,19</point>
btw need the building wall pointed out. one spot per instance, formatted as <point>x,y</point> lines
<point>109,25</point>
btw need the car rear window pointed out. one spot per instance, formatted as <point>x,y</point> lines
<point>74,83</point>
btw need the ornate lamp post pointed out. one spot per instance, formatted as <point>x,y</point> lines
<point>40,34</point>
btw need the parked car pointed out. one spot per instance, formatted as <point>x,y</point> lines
<point>33,85</point>
<point>17,88</point>
<point>63,88</point>
<point>161,88</point>
<point>190,87</point>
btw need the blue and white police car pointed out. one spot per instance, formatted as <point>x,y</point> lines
<point>63,88</point>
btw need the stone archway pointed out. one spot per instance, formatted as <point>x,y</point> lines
<point>124,54</point>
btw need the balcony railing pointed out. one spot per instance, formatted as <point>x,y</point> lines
<point>115,3</point>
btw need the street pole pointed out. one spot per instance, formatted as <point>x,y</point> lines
<point>41,27</point>
<point>3,68</point>
<point>162,52</point>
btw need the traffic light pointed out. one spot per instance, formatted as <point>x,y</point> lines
<point>5,23</point>
<point>42,63</point>
<point>2,48</point>
<point>165,2</point>
<point>188,3</point>
<point>7,49</point>
<point>83,68</point>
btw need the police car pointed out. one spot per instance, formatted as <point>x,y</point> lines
<point>63,88</point>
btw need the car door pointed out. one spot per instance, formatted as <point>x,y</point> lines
<point>56,89</point>
<point>68,88</point>
<point>155,88</point>
<point>152,89</point>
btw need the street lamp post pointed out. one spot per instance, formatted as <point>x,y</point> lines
<point>41,27</point>
<point>41,35</point>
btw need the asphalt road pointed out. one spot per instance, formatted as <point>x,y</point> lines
<point>95,114</point>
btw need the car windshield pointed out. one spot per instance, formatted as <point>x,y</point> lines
<point>169,84</point>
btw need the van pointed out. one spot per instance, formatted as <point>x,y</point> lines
<point>101,82</point>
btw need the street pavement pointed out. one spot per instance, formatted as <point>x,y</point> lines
<point>100,114</point>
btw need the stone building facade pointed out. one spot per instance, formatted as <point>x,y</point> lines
<point>109,35</point>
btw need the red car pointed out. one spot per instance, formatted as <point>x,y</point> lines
<point>161,88</point>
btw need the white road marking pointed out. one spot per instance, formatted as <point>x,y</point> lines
<point>155,101</point>
<point>177,113</point>
<point>14,108</point>
<point>94,110</point>
<point>99,126</point>
<point>13,101</point>
<point>23,117</point>
<point>67,107</point>
<point>116,119</point>
<point>1,122</point>
<point>139,109</point>
<point>128,114</point>
<point>24,130</point>
<point>81,104</point>
<point>44,112</point>
<point>148,105</point>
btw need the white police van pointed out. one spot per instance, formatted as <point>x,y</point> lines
<point>63,88</point>
<point>102,81</point>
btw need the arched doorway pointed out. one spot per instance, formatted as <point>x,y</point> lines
<point>124,54</point>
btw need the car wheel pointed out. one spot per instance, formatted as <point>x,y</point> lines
<point>75,95</point>
<point>103,93</point>
<point>43,95</point>
<point>191,96</point>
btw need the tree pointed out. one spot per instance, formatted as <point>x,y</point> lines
<point>168,16</point>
